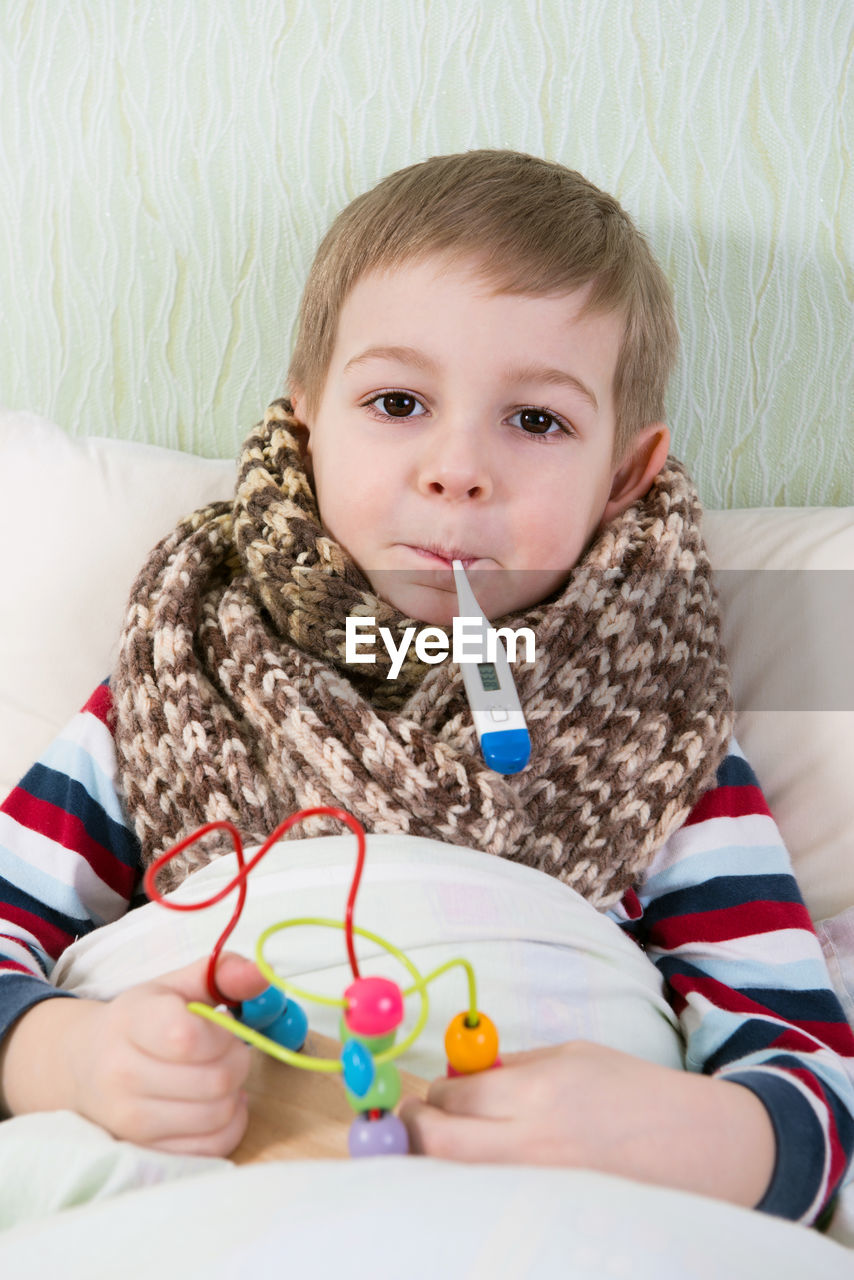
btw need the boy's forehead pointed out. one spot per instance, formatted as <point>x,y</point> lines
<point>398,286</point>
<point>424,311</point>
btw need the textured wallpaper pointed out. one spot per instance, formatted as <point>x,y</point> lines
<point>168,166</point>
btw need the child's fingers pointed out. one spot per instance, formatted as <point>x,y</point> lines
<point>434,1132</point>
<point>160,1024</point>
<point>491,1094</point>
<point>219,1142</point>
<point>523,1056</point>
<point>237,979</point>
<point>184,1082</point>
<point>180,1124</point>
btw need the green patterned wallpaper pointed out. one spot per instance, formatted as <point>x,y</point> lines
<point>167,167</point>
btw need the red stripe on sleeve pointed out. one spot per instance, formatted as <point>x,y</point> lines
<point>728,802</point>
<point>65,829</point>
<point>838,1158</point>
<point>100,704</point>
<point>793,1037</point>
<point>836,1035</point>
<point>14,966</point>
<point>741,920</point>
<point>718,994</point>
<point>50,936</point>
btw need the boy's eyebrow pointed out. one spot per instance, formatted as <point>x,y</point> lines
<point>406,355</point>
<point>555,378</point>
<point>521,373</point>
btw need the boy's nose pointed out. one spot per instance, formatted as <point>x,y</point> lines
<point>454,466</point>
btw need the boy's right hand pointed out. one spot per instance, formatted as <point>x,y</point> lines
<point>141,1065</point>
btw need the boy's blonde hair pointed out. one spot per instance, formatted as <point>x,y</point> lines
<point>534,227</point>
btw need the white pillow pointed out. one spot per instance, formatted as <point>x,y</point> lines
<point>786,578</point>
<point>77,518</point>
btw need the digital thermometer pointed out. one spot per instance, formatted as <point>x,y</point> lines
<point>496,710</point>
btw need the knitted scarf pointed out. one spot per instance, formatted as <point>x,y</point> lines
<point>233,698</point>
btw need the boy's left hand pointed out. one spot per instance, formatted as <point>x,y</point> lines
<point>582,1105</point>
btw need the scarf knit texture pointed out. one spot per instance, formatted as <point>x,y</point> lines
<point>233,699</point>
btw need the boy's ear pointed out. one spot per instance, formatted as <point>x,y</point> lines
<point>297,399</point>
<point>633,476</point>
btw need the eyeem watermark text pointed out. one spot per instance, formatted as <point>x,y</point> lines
<point>431,643</point>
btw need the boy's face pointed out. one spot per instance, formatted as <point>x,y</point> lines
<point>459,422</point>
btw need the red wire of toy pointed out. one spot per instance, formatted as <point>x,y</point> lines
<point>243,874</point>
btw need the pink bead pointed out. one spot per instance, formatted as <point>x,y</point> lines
<point>374,1006</point>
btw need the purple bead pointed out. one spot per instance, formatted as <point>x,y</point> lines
<point>386,1136</point>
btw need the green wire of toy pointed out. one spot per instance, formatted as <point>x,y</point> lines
<point>262,1042</point>
<point>290,988</point>
<point>302,1060</point>
<point>333,1065</point>
<point>471,1017</point>
<point>301,993</point>
<point>388,1055</point>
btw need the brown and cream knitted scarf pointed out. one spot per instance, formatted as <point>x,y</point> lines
<point>233,698</point>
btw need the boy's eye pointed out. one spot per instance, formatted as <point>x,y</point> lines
<point>537,422</point>
<point>397,404</point>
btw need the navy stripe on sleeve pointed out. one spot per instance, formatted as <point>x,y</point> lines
<point>72,798</point>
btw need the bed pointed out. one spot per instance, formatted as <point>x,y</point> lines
<point>76,519</point>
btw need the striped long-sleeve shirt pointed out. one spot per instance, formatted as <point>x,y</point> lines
<point>718,912</point>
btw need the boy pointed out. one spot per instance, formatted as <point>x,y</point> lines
<point>484,346</point>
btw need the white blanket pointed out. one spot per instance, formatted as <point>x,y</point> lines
<point>548,966</point>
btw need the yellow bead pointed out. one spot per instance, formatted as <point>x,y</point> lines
<point>471,1049</point>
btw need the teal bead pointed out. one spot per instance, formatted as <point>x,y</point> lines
<point>376,1044</point>
<point>358,1067</point>
<point>290,1028</point>
<point>263,1010</point>
<point>384,1093</point>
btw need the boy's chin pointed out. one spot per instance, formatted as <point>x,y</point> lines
<point>430,597</point>
<point>431,606</point>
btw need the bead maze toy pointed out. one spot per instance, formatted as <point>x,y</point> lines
<point>372,1008</point>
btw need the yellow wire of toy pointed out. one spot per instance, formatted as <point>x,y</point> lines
<point>333,1065</point>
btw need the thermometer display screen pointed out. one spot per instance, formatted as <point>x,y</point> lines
<point>488,676</point>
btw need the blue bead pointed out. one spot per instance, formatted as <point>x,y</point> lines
<point>290,1028</point>
<point>358,1065</point>
<point>386,1136</point>
<point>259,1012</point>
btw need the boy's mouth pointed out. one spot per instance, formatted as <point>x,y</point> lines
<point>444,555</point>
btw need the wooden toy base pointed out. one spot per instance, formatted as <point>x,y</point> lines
<point>301,1115</point>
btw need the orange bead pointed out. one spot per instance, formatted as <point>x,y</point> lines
<point>471,1049</point>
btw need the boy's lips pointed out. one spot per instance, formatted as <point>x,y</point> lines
<point>444,555</point>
